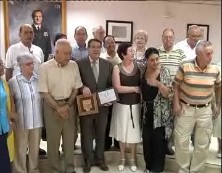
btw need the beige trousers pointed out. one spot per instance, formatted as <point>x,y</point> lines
<point>55,128</point>
<point>201,118</point>
<point>27,139</point>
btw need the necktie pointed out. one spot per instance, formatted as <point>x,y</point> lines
<point>95,70</point>
<point>38,28</point>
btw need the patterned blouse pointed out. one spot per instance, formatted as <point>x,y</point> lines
<point>162,111</point>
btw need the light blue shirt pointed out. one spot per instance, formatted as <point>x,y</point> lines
<point>79,52</point>
<point>4,124</point>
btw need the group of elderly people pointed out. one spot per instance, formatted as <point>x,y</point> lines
<point>149,101</point>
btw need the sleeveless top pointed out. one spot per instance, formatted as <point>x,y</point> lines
<point>129,79</point>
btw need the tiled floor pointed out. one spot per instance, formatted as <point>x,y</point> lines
<point>212,159</point>
<point>112,169</point>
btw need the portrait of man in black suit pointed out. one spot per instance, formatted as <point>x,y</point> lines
<point>41,36</point>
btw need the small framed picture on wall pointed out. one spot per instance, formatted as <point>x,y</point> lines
<point>122,31</point>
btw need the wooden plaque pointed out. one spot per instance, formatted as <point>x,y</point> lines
<point>87,105</point>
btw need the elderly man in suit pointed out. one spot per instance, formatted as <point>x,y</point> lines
<point>96,74</point>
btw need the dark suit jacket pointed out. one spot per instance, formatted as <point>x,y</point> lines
<point>42,39</point>
<point>88,79</point>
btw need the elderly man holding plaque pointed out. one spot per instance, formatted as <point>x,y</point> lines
<point>59,81</point>
<point>96,76</point>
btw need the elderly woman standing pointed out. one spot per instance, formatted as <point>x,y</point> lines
<point>140,41</point>
<point>29,115</point>
<point>156,107</point>
<point>5,121</point>
<point>125,126</point>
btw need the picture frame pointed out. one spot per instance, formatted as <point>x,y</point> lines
<point>87,105</point>
<point>108,95</point>
<point>204,29</point>
<point>15,14</point>
<point>122,31</point>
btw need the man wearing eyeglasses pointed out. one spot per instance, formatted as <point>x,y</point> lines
<point>25,45</point>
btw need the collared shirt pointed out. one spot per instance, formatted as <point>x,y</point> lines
<point>19,48</point>
<point>28,102</point>
<point>172,59</point>
<point>37,26</point>
<point>196,85</point>
<point>97,63</point>
<point>185,47</point>
<point>79,52</point>
<point>59,81</point>
<point>114,61</point>
<point>4,124</point>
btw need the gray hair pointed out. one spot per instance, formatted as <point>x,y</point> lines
<point>97,28</point>
<point>25,57</point>
<point>61,42</point>
<point>193,27</point>
<point>202,44</point>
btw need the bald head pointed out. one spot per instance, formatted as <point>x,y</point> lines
<point>63,51</point>
<point>26,34</point>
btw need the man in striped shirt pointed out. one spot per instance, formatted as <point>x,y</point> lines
<point>170,57</point>
<point>194,85</point>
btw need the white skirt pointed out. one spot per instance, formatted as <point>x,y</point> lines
<point>121,127</point>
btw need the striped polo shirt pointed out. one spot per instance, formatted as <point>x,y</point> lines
<point>171,60</point>
<point>196,85</point>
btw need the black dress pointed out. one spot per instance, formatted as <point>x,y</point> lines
<point>154,142</point>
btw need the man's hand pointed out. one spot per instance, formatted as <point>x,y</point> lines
<point>63,111</point>
<point>177,108</point>
<point>216,111</point>
<point>86,92</point>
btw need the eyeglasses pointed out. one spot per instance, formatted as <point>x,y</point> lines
<point>29,63</point>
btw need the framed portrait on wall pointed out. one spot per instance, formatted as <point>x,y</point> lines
<point>204,30</point>
<point>17,13</point>
<point>122,31</point>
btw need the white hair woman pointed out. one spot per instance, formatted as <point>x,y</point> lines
<point>29,115</point>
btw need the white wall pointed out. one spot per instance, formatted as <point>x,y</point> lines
<point>148,15</point>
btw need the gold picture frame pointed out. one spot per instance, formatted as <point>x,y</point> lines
<point>87,105</point>
<point>17,13</point>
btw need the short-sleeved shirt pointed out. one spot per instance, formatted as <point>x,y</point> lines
<point>18,49</point>
<point>171,60</point>
<point>79,52</point>
<point>28,102</point>
<point>114,61</point>
<point>59,81</point>
<point>196,85</point>
<point>4,124</point>
<point>185,47</point>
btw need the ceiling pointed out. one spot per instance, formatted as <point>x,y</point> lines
<point>212,2</point>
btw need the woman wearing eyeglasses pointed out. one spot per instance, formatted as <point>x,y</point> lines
<point>6,119</point>
<point>29,115</point>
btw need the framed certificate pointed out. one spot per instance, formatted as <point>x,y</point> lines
<point>107,96</point>
<point>87,105</point>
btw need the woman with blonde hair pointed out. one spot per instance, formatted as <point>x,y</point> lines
<point>140,41</point>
